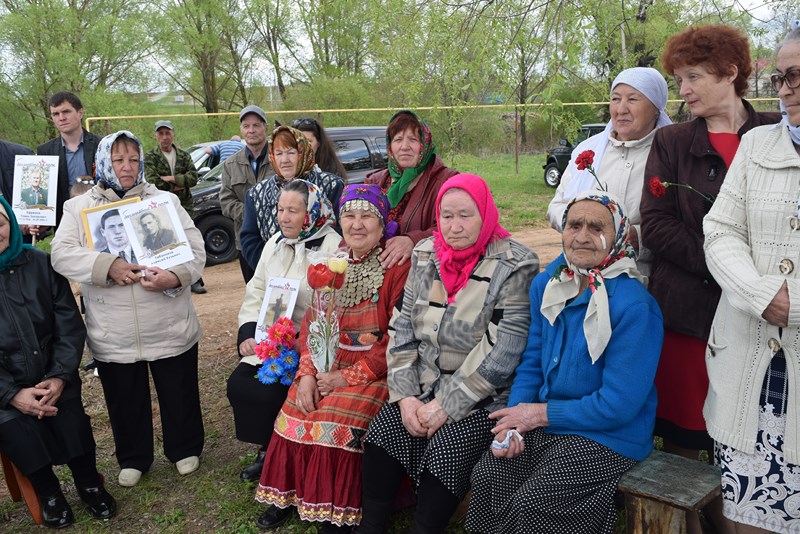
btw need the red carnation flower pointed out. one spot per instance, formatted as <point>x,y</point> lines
<point>657,188</point>
<point>584,159</point>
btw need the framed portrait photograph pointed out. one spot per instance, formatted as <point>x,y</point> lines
<point>156,232</point>
<point>279,300</point>
<point>104,231</point>
<point>35,189</point>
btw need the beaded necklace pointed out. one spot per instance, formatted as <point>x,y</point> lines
<point>363,279</point>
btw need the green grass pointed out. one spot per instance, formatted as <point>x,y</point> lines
<point>522,198</point>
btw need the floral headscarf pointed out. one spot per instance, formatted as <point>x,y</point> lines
<point>368,197</point>
<point>564,285</point>
<point>401,179</point>
<point>15,244</point>
<point>455,266</point>
<point>104,171</point>
<point>317,224</point>
<point>306,160</point>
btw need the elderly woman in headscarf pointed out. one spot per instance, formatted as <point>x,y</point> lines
<point>582,405</point>
<point>314,458</point>
<point>140,320</point>
<point>306,221</point>
<point>42,421</point>
<point>291,157</point>
<point>637,102</point>
<point>454,345</point>
<point>411,182</point>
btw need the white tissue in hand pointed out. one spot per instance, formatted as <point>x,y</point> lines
<point>506,442</point>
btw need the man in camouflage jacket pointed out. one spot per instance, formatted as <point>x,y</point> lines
<point>170,168</point>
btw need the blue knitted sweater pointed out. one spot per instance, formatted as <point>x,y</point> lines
<point>612,402</point>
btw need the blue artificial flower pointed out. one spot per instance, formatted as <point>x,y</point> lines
<point>271,371</point>
<point>287,378</point>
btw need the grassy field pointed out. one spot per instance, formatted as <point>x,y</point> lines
<point>521,198</point>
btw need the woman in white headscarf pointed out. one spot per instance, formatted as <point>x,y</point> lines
<point>638,98</point>
<point>583,402</point>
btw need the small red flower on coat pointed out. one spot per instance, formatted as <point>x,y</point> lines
<point>584,159</point>
<point>657,188</point>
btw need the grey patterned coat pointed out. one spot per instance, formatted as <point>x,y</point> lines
<point>463,354</point>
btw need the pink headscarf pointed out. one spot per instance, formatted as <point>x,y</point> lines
<point>456,266</point>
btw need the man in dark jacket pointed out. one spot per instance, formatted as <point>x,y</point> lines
<point>75,147</point>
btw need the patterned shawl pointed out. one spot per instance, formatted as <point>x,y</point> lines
<point>15,245</point>
<point>305,161</point>
<point>104,171</point>
<point>564,285</point>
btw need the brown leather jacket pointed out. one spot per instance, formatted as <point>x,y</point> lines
<point>418,219</point>
<point>672,226</point>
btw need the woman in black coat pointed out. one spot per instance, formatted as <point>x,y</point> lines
<point>42,421</point>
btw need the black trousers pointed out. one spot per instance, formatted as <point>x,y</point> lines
<point>247,271</point>
<point>33,444</point>
<point>255,405</point>
<point>127,392</point>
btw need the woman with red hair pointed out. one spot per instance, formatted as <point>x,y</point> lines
<point>711,65</point>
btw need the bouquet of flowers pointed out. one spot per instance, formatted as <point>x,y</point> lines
<point>326,274</point>
<point>584,161</point>
<point>277,352</point>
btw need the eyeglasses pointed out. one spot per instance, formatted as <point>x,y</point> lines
<point>792,79</point>
<point>304,122</point>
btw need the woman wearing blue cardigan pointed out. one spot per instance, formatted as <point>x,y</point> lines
<point>582,405</point>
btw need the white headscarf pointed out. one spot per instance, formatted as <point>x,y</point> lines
<point>652,85</point>
<point>565,285</point>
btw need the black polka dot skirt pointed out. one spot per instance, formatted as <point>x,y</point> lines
<point>560,484</point>
<point>449,455</point>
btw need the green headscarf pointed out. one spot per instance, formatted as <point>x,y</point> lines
<point>402,179</point>
<point>15,245</point>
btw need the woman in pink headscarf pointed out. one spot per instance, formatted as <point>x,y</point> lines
<point>454,344</point>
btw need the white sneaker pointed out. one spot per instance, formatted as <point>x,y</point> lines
<point>188,465</point>
<point>129,477</point>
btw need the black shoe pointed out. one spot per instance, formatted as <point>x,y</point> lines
<point>253,471</point>
<point>198,288</point>
<point>56,512</point>
<point>273,517</point>
<point>99,502</point>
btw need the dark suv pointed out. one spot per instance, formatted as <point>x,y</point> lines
<point>361,149</point>
<point>558,157</point>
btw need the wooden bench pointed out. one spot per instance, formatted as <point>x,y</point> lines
<point>20,488</point>
<point>661,489</point>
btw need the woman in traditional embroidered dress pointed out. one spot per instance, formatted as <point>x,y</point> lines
<point>455,343</point>
<point>752,243</point>
<point>637,101</point>
<point>582,405</point>
<point>411,182</point>
<point>291,157</point>
<point>711,65</point>
<point>306,220</point>
<point>314,458</point>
